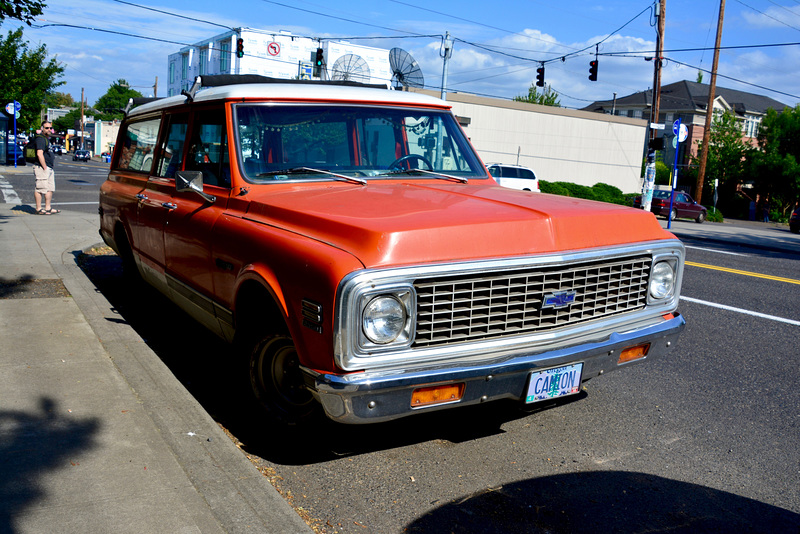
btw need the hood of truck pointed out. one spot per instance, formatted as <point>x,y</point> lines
<point>389,223</point>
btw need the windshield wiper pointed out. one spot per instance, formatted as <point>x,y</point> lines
<point>305,170</point>
<point>439,175</point>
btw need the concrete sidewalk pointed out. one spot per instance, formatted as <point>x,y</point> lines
<point>96,434</point>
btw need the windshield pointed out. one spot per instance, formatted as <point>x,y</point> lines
<point>313,142</point>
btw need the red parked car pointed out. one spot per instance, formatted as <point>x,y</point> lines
<point>683,206</point>
<point>352,246</point>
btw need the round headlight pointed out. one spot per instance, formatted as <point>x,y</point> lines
<point>662,280</point>
<point>384,319</point>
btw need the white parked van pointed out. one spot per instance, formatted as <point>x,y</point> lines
<point>514,176</point>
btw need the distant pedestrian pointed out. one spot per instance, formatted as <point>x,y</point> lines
<point>43,171</point>
<point>765,210</point>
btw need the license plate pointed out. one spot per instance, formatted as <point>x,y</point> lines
<point>554,383</point>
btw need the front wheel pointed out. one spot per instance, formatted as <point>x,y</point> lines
<point>277,381</point>
<point>700,218</point>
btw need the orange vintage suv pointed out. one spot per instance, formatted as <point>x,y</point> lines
<point>350,243</point>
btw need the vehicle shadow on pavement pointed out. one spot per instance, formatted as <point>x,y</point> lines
<point>217,377</point>
<point>605,501</point>
<point>32,442</point>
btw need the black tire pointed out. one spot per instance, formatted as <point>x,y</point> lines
<point>276,381</point>
<point>794,229</point>
<point>701,218</point>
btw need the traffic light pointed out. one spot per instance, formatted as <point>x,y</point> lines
<point>239,47</point>
<point>319,61</point>
<point>540,76</point>
<point>593,70</point>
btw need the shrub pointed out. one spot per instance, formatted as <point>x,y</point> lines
<point>713,215</point>
<point>601,192</point>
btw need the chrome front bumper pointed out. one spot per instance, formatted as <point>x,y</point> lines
<point>375,396</point>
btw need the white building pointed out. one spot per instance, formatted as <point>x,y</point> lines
<point>277,55</point>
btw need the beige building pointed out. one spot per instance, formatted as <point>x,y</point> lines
<point>559,144</point>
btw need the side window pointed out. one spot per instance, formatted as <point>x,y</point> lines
<point>138,143</point>
<point>208,147</point>
<point>527,174</point>
<point>495,171</point>
<point>172,150</point>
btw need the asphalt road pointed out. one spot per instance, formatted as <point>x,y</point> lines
<point>77,183</point>
<point>705,441</point>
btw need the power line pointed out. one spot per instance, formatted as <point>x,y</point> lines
<point>173,14</point>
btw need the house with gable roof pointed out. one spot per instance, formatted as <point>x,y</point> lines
<point>688,101</point>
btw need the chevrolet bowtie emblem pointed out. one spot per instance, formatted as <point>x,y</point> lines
<point>559,299</point>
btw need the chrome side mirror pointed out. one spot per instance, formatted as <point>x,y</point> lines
<point>192,181</point>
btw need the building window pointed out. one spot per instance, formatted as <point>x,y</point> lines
<point>751,126</point>
<point>203,60</point>
<point>184,66</point>
<point>171,72</point>
<point>224,56</point>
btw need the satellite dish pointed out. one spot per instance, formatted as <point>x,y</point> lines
<point>351,68</point>
<point>405,69</point>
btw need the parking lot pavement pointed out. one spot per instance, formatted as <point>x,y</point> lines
<point>97,434</point>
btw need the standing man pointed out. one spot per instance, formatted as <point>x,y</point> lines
<point>43,171</point>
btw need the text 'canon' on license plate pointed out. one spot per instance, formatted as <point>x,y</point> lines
<point>553,383</point>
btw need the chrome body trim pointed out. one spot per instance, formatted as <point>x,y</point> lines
<point>383,395</point>
<point>349,355</point>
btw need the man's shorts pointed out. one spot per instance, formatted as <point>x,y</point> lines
<point>45,179</point>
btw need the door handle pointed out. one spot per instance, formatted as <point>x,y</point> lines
<point>169,205</point>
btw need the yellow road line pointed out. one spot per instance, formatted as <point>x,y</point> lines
<point>745,273</point>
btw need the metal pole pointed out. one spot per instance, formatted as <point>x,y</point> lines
<point>701,173</point>
<point>446,53</point>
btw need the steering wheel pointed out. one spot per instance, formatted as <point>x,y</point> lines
<point>396,163</point>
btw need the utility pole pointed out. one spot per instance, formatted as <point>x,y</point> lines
<point>155,88</point>
<point>650,167</point>
<point>447,51</point>
<point>701,173</point>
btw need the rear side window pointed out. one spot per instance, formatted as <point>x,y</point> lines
<point>526,173</point>
<point>138,143</point>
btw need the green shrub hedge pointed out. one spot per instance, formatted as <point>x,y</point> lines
<point>600,192</point>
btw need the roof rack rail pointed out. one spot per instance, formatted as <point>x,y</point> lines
<point>138,101</point>
<point>218,80</point>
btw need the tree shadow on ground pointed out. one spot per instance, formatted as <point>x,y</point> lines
<point>608,502</point>
<point>30,444</point>
<point>217,377</point>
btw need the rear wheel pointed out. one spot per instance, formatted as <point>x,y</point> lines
<point>276,381</point>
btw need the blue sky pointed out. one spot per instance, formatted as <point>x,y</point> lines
<point>498,44</point>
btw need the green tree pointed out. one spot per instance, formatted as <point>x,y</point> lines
<point>59,100</point>
<point>776,165</point>
<point>111,104</point>
<point>27,77</point>
<point>24,10</point>
<point>727,155</point>
<point>548,97</point>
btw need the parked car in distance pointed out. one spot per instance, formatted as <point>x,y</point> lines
<point>514,176</point>
<point>683,206</point>
<point>794,221</point>
<point>57,149</point>
<point>349,243</point>
<point>81,155</point>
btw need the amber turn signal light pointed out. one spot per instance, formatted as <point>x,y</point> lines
<point>633,353</point>
<point>437,395</point>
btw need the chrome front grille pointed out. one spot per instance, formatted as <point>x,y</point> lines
<point>508,303</point>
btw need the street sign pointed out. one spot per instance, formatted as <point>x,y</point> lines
<point>676,126</point>
<point>10,108</point>
<point>683,133</point>
<point>17,106</point>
